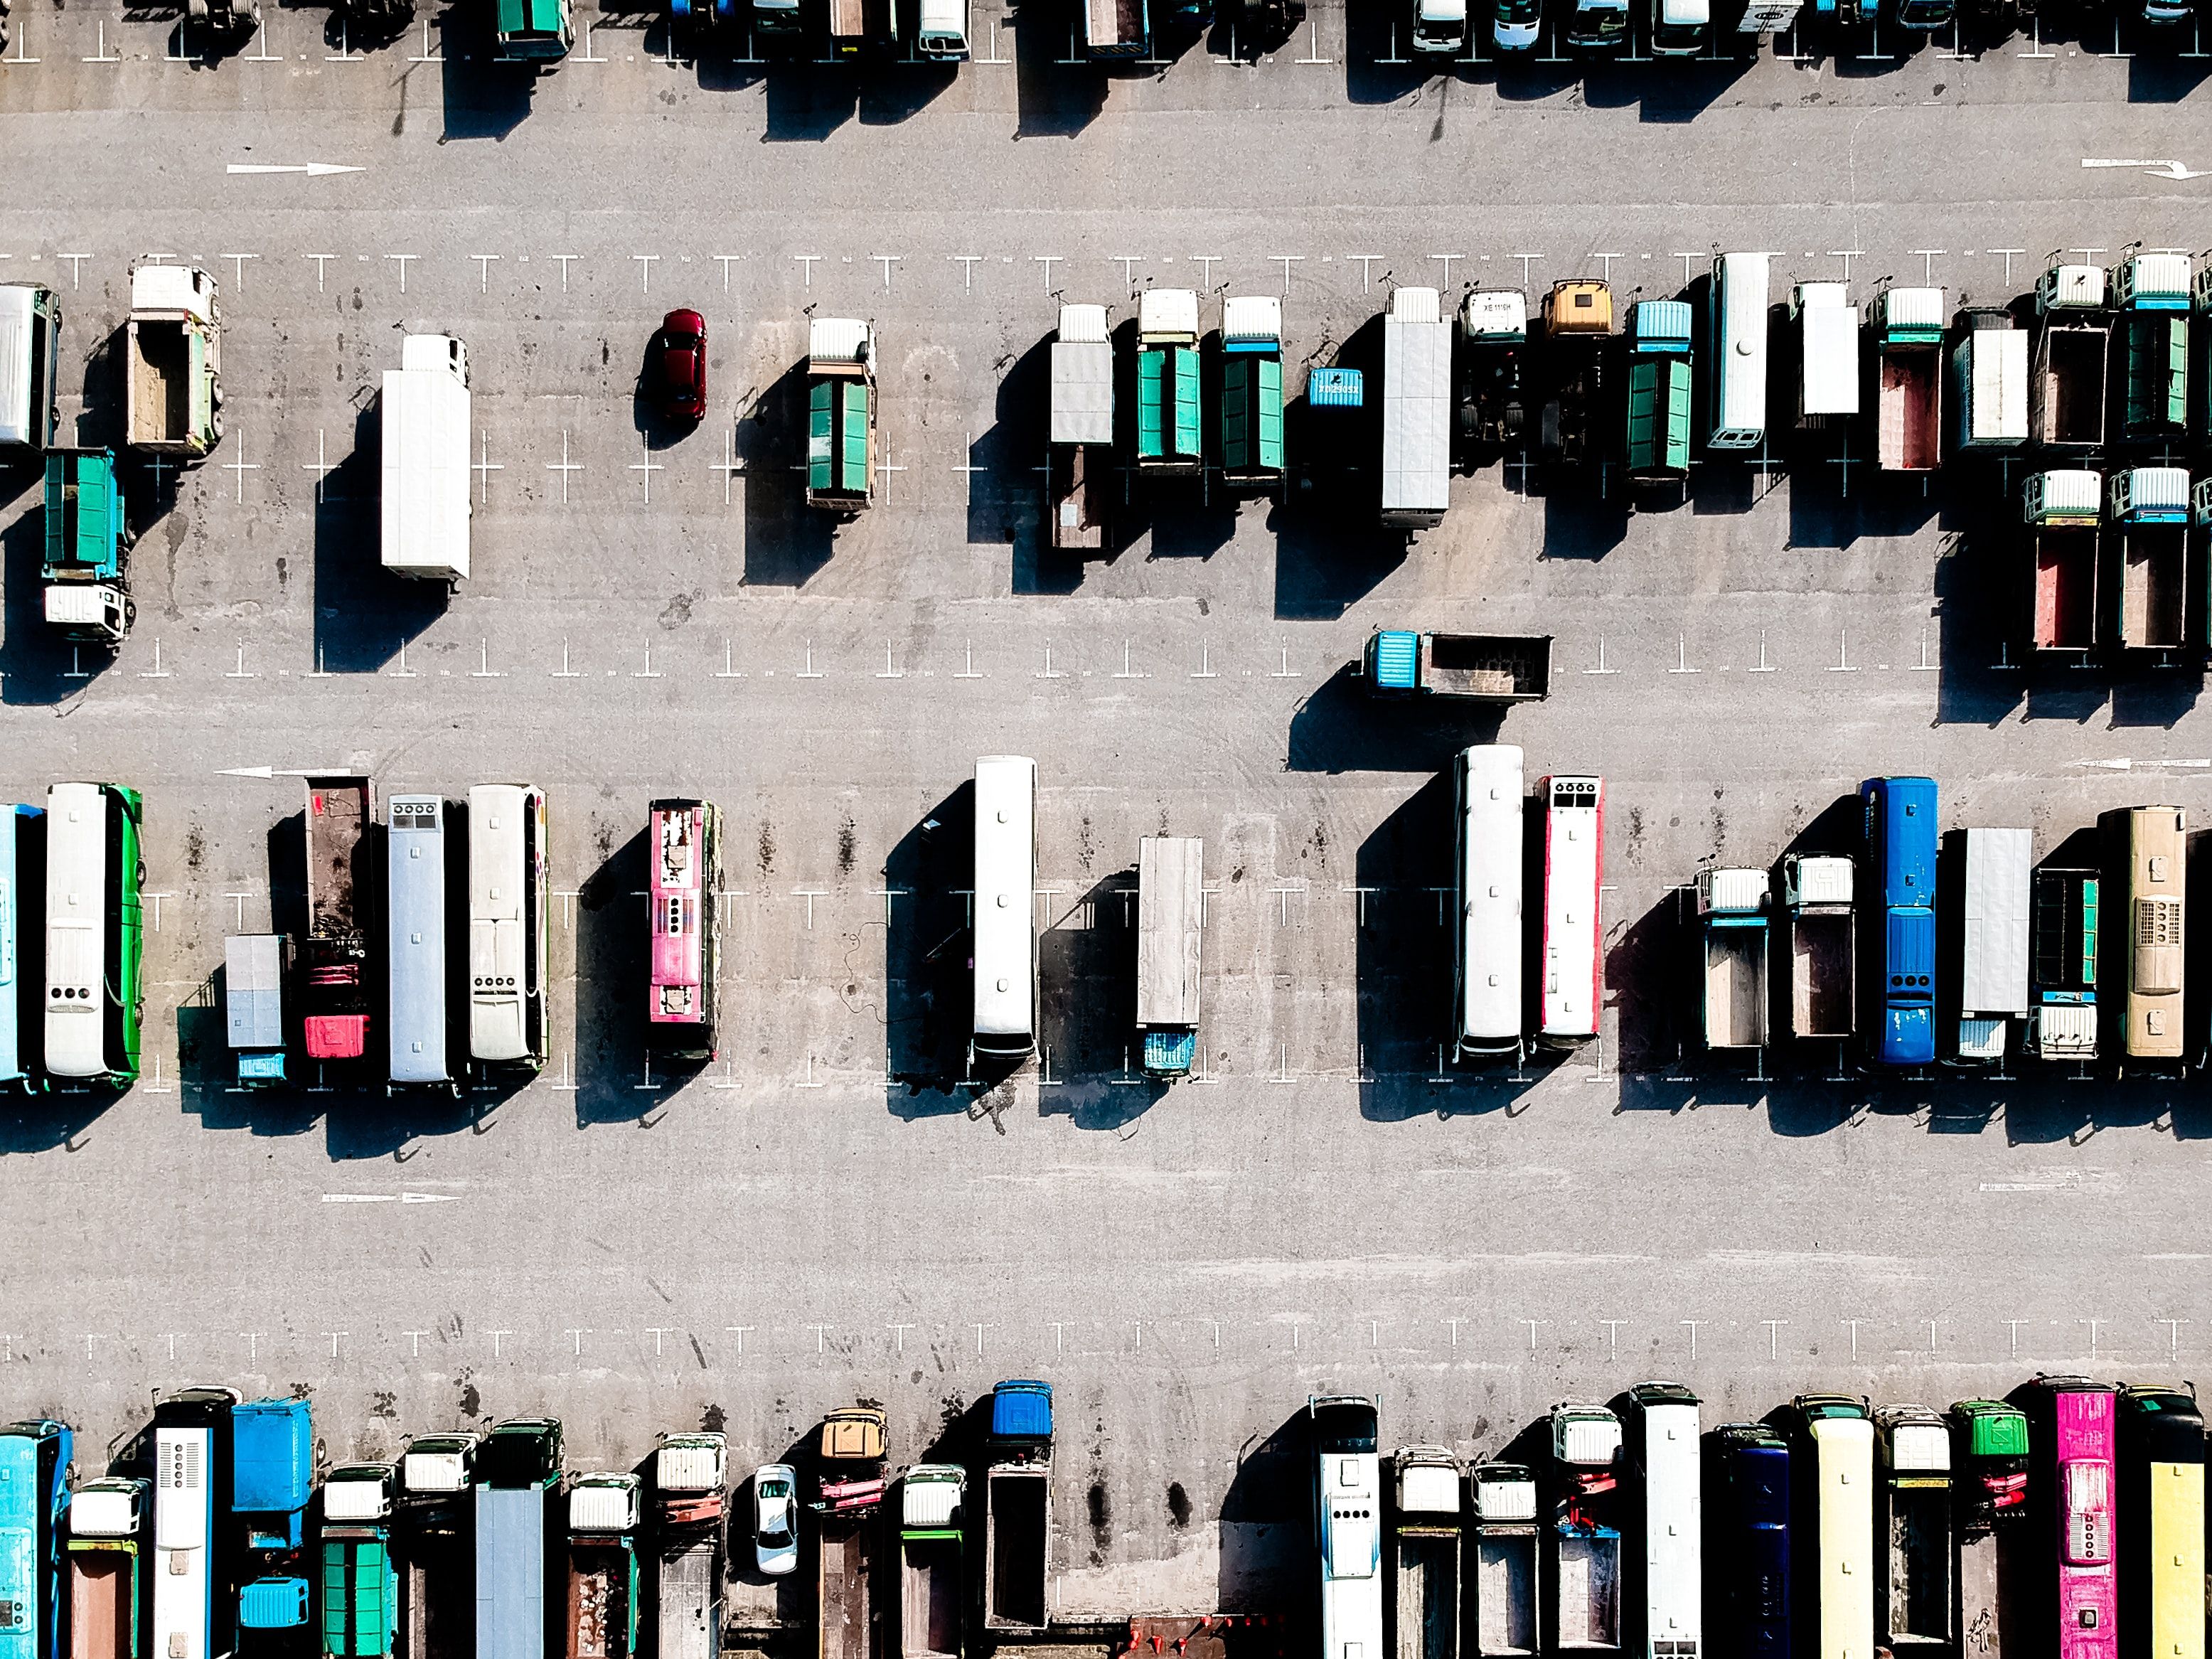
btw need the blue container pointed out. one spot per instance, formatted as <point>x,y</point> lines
<point>1393,660</point>
<point>273,1604</point>
<point>1169,1054</point>
<point>1022,1411</point>
<point>273,1470</point>
<point>1334,388</point>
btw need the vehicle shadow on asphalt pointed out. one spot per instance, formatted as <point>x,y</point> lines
<point>787,541</point>
<point>1343,726</point>
<point>1053,97</point>
<point>480,97</point>
<point>925,961</point>
<point>365,616</point>
<point>1087,954</point>
<point>618,1079</point>
<point>1330,552</point>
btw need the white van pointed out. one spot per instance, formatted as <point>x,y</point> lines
<point>30,341</point>
<point>943,35</point>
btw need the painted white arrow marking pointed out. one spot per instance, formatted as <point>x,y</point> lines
<point>246,772</point>
<point>2110,765</point>
<point>359,1198</point>
<point>427,1198</point>
<point>2164,169</point>
<point>312,169</point>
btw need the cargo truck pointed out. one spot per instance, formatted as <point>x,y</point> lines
<point>359,1585</point>
<point>2151,292</point>
<point>1079,439</point>
<point>1816,892</point>
<point>2062,1015</point>
<point>1017,1507</point>
<point>1993,932</point>
<point>518,1467</point>
<point>1908,331</point>
<point>2073,345</point>
<point>1584,1604</point>
<point>1171,904</point>
<point>931,1586</point>
<point>1829,377</point>
<point>1425,1600</point>
<point>1988,383</point>
<point>1989,1450</point>
<point>1913,1589</point>
<point>437,1603</point>
<point>1659,395</point>
<point>1116,28</point>
<point>107,1530</point>
<point>603,1512</point>
<point>272,1478</point>
<point>849,1496</point>
<point>1252,394</point>
<point>173,390</point>
<point>1732,915</point>
<point>255,968</point>
<point>1577,320</point>
<point>1503,1500</point>
<point>1417,384</point>
<point>30,356</point>
<point>2064,512</point>
<point>1483,667</point>
<point>86,572</point>
<point>690,1473</point>
<point>1169,442</point>
<point>424,412</point>
<point>1493,351</point>
<point>340,810</point>
<point>840,414</point>
<point>2148,509</point>
<point>536,32</point>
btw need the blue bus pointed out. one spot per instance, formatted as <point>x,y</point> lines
<point>1899,1017</point>
<point>35,1460</point>
<point>1748,1529</point>
<point>21,846</point>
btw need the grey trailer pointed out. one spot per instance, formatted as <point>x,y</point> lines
<point>1993,962</point>
<point>1171,899</point>
<point>1416,395</point>
<point>415,917</point>
<point>253,966</point>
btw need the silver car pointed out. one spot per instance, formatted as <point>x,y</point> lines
<point>775,1518</point>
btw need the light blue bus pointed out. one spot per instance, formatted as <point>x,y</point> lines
<point>35,1460</point>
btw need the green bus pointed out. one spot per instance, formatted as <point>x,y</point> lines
<point>96,933</point>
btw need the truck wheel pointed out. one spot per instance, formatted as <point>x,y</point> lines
<point>215,392</point>
<point>215,421</point>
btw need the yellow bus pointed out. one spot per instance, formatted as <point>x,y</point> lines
<point>2147,852</point>
<point>1832,1451</point>
<point>2162,1517</point>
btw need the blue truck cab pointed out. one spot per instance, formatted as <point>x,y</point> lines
<point>1900,979</point>
<point>1021,1421</point>
<point>35,1460</point>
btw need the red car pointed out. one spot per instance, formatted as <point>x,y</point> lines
<point>679,353</point>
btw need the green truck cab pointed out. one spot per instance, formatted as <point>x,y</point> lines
<point>1252,394</point>
<point>840,414</point>
<point>1659,394</point>
<point>1167,440</point>
<point>87,542</point>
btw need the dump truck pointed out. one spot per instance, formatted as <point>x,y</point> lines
<point>2148,509</point>
<point>1416,387</point>
<point>340,810</point>
<point>1169,442</point>
<point>1988,1452</point>
<point>1583,1608</point>
<point>2151,292</point>
<point>1483,667</point>
<point>1659,395</point>
<point>848,1500</point>
<point>840,414</point>
<point>105,1553</point>
<point>1503,1500</point>
<point>518,1467</point>
<point>1171,906</point>
<point>1116,28</point>
<point>1079,440</point>
<point>255,968</point>
<point>437,1602</point>
<point>2062,1013</point>
<point>1816,892</point>
<point>2064,512</point>
<point>359,1585</point>
<point>1493,351</point>
<point>1913,1590</point>
<point>690,1473</point>
<point>2066,409</point>
<point>1988,383</point>
<point>1577,319</point>
<point>1426,1598</point>
<point>87,573</point>
<point>603,1512</point>
<point>1017,1507</point>
<point>1829,380</point>
<point>1908,331</point>
<point>1732,915</point>
<point>424,411</point>
<point>1252,394</point>
<point>173,391</point>
<point>931,1586</point>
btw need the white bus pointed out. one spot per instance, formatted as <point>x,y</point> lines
<point>414,900</point>
<point>186,1444</point>
<point>507,1020</point>
<point>1738,350</point>
<point>1574,874</point>
<point>1347,1524</point>
<point>1486,948</point>
<point>96,994</point>
<point>30,340</point>
<point>1006,1001</point>
<point>1673,1602</point>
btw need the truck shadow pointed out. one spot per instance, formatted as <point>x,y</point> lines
<point>1053,98</point>
<point>1087,954</point>
<point>1344,727</point>
<point>365,616</point>
<point>480,97</point>
<point>1403,956</point>
<point>1983,673</point>
<point>808,99</point>
<point>1330,551</point>
<point>1267,1526</point>
<point>1380,64</point>
<point>37,667</point>
<point>1012,450</point>
<point>787,541</point>
<point>925,984</point>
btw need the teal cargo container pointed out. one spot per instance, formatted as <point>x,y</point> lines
<point>360,1585</point>
<point>1252,392</point>
<point>1659,393</point>
<point>840,414</point>
<point>1168,439</point>
<point>87,541</point>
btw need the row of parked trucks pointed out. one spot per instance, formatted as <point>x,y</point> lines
<point>2069,1520</point>
<point>218,1533</point>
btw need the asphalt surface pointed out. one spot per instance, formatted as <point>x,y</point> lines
<point>826,1212</point>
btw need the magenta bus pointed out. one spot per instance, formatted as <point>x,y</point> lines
<point>2071,1421</point>
<point>685,843</point>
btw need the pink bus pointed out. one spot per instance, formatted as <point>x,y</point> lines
<point>685,846</point>
<point>2071,1421</point>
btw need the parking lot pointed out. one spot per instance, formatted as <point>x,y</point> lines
<point>828,1211</point>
